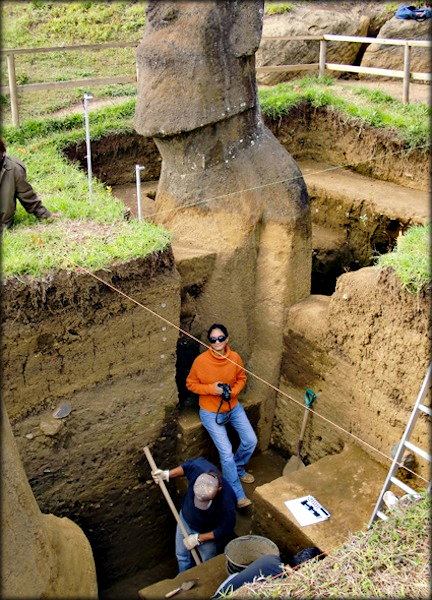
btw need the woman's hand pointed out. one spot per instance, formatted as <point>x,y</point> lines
<point>218,390</point>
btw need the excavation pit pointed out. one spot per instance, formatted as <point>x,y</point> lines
<point>80,343</point>
<point>358,188</point>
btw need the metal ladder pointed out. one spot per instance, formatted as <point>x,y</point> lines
<point>404,443</point>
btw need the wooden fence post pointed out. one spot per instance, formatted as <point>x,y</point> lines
<point>407,69</point>
<point>13,90</point>
<point>322,57</point>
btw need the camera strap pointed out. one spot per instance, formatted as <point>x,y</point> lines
<point>227,416</point>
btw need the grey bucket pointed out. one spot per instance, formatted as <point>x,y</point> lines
<point>242,551</point>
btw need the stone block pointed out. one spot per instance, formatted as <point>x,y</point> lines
<point>347,485</point>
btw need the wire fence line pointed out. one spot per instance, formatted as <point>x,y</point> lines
<point>406,74</point>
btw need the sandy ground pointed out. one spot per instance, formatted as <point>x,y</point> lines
<point>418,92</point>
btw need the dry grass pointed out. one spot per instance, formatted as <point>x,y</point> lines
<point>391,560</point>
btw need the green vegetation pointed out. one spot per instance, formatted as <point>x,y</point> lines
<point>391,560</point>
<point>63,186</point>
<point>70,244</point>
<point>53,24</point>
<point>92,234</point>
<point>277,8</point>
<point>411,259</point>
<point>393,6</point>
<point>411,121</point>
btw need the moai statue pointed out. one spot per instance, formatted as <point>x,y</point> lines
<point>227,185</point>
<point>42,556</point>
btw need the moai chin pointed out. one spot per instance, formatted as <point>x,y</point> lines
<point>227,185</point>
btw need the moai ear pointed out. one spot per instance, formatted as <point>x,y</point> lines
<point>247,23</point>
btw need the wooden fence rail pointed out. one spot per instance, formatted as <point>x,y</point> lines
<point>12,89</point>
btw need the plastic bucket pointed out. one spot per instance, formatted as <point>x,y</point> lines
<point>242,551</point>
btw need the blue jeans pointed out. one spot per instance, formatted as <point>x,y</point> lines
<point>268,565</point>
<point>233,465</point>
<point>185,559</point>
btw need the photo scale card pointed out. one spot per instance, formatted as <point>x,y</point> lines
<point>307,510</point>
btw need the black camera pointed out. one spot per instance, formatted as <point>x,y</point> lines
<point>226,391</point>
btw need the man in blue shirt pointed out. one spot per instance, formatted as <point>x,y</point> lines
<point>208,510</point>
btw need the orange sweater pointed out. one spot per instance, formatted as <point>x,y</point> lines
<point>209,368</point>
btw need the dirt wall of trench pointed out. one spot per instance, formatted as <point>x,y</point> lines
<point>327,135</point>
<point>71,339</point>
<point>320,133</point>
<point>364,351</point>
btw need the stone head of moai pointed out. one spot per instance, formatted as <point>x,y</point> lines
<point>197,97</point>
<point>228,189</point>
<point>196,64</point>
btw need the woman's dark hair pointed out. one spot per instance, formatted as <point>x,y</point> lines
<point>305,555</point>
<point>217,326</point>
<point>2,146</point>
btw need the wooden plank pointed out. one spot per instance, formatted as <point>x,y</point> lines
<point>334,37</point>
<point>377,71</point>
<point>406,78</point>
<point>13,89</point>
<point>62,48</point>
<point>373,40</point>
<point>31,87</point>
<point>422,76</point>
<point>352,38</point>
<point>291,38</point>
<point>367,70</point>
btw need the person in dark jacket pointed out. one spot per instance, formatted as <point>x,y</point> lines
<point>266,566</point>
<point>13,186</point>
<point>208,510</point>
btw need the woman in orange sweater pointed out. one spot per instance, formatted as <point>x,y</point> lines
<point>218,376</point>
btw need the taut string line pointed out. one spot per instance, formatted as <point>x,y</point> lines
<point>273,387</point>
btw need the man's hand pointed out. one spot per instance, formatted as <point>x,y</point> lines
<point>191,541</point>
<point>159,474</point>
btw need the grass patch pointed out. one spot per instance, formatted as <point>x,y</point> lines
<point>410,121</point>
<point>411,259</point>
<point>52,24</point>
<point>41,138</point>
<point>277,8</point>
<point>63,186</point>
<point>92,233</point>
<point>39,249</point>
<point>391,560</point>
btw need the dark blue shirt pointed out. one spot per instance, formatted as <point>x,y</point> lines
<point>220,517</point>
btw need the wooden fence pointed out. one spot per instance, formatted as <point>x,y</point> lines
<point>405,74</point>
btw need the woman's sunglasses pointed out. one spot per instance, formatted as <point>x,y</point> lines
<point>221,338</point>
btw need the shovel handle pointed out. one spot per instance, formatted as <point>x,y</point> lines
<point>170,503</point>
<point>310,398</point>
<point>169,594</point>
<point>302,431</point>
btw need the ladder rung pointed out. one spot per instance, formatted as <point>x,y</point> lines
<point>418,451</point>
<point>402,486</point>
<point>405,444</point>
<point>381,515</point>
<point>425,409</point>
